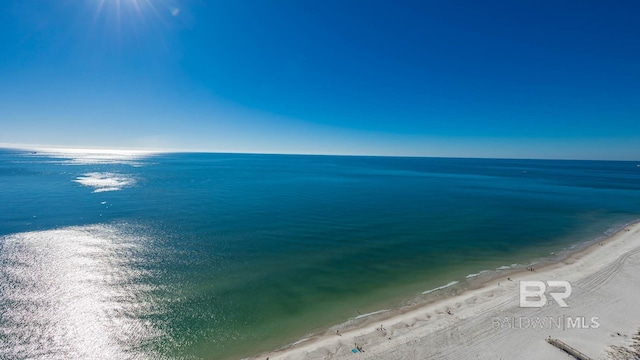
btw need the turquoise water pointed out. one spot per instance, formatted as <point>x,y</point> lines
<point>227,255</point>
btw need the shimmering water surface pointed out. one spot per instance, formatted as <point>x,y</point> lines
<point>122,255</point>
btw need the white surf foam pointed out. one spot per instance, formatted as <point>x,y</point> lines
<point>441,287</point>
<point>476,274</point>
<point>371,313</point>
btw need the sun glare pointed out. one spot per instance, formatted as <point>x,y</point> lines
<point>134,12</point>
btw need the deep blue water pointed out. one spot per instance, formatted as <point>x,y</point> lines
<point>227,255</point>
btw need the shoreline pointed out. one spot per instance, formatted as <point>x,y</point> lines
<point>412,323</point>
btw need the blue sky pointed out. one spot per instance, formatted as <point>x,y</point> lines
<point>546,79</point>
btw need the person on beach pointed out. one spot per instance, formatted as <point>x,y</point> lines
<point>338,332</point>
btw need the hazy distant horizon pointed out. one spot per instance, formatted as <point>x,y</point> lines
<point>106,150</point>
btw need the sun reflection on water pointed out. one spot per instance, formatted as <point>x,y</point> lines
<point>78,292</point>
<point>93,156</point>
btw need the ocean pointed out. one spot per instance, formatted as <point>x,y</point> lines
<point>223,256</point>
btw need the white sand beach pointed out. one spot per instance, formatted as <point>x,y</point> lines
<point>488,322</point>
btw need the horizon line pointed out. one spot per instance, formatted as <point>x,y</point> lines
<point>45,148</point>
